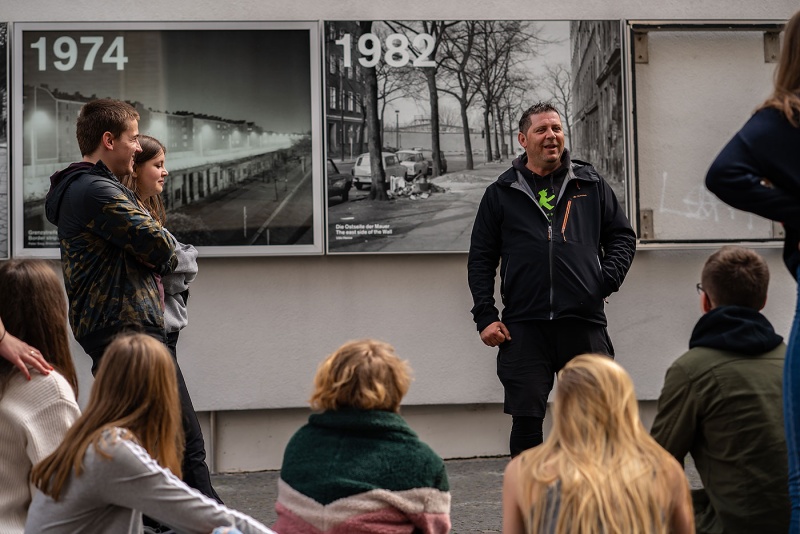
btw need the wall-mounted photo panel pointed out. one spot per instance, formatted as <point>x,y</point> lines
<point>236,105</point>
<point>5,203</point>
<point>693,86</point>
<point>440,102</point>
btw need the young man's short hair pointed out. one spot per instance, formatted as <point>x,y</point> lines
<point>736,276</point>
<point>539,107</point>
<point>100,116</point>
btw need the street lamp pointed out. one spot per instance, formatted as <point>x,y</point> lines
<point>397,128</point>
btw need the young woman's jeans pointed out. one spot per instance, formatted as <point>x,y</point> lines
<point>791,412</point>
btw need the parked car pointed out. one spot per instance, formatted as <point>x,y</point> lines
<point>414,161</point>
<point>362,173</point>
<point>429,158</point>
<point>338,184</point>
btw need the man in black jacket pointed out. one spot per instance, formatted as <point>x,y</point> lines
<point>563,244</point>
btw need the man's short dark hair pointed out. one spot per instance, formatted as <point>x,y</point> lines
<point>539,107</point>
<point>736,276</point>
<point>100,116</point>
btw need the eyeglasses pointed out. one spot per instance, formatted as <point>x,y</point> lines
<point>699,287</point>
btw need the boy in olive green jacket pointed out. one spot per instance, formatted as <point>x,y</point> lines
<point>722,401</point>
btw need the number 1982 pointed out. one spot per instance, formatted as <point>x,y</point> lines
<point>397,53</point>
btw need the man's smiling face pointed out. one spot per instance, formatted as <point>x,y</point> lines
<point>124,148</point>
<point>543,142</point>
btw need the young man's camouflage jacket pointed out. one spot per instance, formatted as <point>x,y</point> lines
<point>110,251</point>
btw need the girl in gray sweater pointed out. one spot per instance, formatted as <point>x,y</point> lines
<point>121,457</point>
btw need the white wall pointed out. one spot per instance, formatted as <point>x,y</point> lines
<point>260,326</point>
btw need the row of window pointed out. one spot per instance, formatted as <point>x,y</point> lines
<point>337,65</point>
<point>352,101</point>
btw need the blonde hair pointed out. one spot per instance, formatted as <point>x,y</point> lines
<point>135,389</point>
<point>786,95</point>
<point>610,474</point>
<point>364,374</point>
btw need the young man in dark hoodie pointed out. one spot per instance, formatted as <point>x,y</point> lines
<point>112,250</point>
<point>563,244</point>
<point>722,402</point>
<point>110,247</point>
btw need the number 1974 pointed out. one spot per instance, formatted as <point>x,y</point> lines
<point>65,49</point>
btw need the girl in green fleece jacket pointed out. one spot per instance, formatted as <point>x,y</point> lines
<point>357,467</point>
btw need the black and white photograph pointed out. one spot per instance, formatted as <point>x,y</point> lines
<point>421,116</point>
<point>4,186</point>
<point>237,106</point>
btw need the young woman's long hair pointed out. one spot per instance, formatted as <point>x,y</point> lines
<point>33,306</point>
<point>136,389</point>
<point>786,95</point>
<point>150,149</point>
<point>606,468</point>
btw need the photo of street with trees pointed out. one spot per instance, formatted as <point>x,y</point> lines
<point>450,93</point>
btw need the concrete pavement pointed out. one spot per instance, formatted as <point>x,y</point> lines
<point>476,486</point>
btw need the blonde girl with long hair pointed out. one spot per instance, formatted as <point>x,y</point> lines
<point>122,457</point>
<point>598,471</point>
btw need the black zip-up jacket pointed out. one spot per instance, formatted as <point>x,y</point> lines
<point>548,271</point>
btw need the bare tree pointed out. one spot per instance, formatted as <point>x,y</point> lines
<point>392,82</point>
<point>390,88</point>
<point>557,81</point>
<point>494,60</point>
<point>437,29</point>
<point>362,106</point>
<point>377,191</point>
<point>514,85</point>
<point>448,116</point>
<point>515,101</point>
<point>502,47</point>
<point>459,80</point>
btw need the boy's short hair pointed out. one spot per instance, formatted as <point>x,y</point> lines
<point>364,374</point>
<point>736,276</point>
<point>537,108</point>
<point>100,116</point>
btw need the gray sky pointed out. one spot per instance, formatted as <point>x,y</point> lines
<point>557,52</point>
<point>262,76</point>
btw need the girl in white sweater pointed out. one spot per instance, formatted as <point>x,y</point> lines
<point>122,457</point>
<point>35,413</point>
